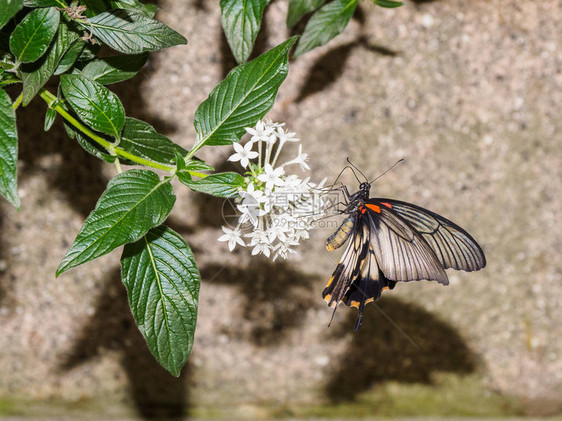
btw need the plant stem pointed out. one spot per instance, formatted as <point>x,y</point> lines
<point>17,102</point>
<point>118,166</point>
<point>51,101</point>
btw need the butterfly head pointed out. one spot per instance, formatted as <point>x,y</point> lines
<point>365,189</point>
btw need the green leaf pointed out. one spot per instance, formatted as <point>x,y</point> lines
<point>224,184</point>
<point>133,202</point>
<point>162,281</point>
<point>141,139</point>
<point>93,148</point>
<point>33,35</point>
<point>241,21</point>
<point>94,7</point>
<point>37,74</point>
<point>149,10</point>
<point>387,3</point>
<point>184,169</point>
<point>94,103</point>
<point>41,3</point>
<point>8,8</point>
<point>325,24</point>
<point>50,116</point>
<point>242,98</point>
<point>299,8</point>
<point>131,32</point>
<point>70,57</point>
<point>114,69</point>
<point>8,150</point>
<point>198,165</point>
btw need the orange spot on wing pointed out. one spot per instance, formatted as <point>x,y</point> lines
<point>375,208</point>
<point>362,209</point>
<point>354,304</point>
<point>388,205</point>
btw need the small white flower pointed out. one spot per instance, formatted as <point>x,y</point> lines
<point>284,136</point>
<point>272,125</point>
<point>300,159</point>
<point>261,248</point>
<point>260,132</point>
<point>271,177</point>
<point>233,237</point>
<point>277,210</point>
<point>243,154</point>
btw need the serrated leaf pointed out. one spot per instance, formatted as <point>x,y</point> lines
<point>8,8</point>
<point>114,69</point>
<point>242,98</point>
<point>388,3</point>
<point>241,21</point>
<point>50,116</point>
<point>133,202</point>
<point>224,184</point>
<point>131,32</point>
<point>299,8</point>
<point>8,150</point>
<point>141,139</point>
<point>33,35</point>
<point>325,24</point>
<point>162,281</point>
<point>94,103</point>
<point>37,74</point>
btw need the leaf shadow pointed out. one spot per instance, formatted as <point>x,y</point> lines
<point>275,297</point>
<point>329,67</point>
<point>156,394</point>
<point>410,349</point>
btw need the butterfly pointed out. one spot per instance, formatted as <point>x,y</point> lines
<point>392,241</point>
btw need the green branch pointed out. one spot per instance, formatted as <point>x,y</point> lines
<point>53,102</point>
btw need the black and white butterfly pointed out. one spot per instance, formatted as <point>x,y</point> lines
<point>392,241</point>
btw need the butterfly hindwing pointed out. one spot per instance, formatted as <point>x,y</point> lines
<point>349,266</point>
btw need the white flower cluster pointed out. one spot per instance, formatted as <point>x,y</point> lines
<point>277,209</point>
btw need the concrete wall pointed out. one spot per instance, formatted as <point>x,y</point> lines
<point>468,92</point>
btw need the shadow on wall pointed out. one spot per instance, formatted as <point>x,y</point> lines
<point>156,394</point>
<point>408,349</point>
<point>6,279</point>
<point>275,297</point>
<point>328,68</point>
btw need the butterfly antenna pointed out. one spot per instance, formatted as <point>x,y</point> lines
<point>395,164</point>
<point>339,175</point>
<point>360,172</point>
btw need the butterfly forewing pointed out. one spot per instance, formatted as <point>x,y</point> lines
<point>454,247</point>
<point>402,254</point>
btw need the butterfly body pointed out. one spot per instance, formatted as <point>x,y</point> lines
<point>392,241</point>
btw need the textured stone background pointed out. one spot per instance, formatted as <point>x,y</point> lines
<point>469,92</point>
